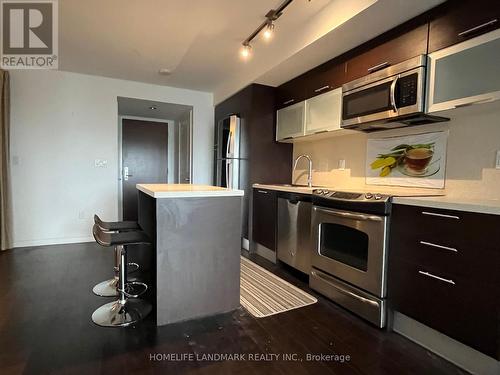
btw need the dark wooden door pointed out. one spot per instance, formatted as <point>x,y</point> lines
<point>144,153</point>
<point>265,206</point>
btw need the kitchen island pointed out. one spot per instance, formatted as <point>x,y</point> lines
<point>196,235</point>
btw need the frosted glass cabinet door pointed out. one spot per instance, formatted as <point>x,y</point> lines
<point>290,121</point>
<point>323,112</point>
<point>466,73</point>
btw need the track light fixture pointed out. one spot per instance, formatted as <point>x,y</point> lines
<point>268,27</point>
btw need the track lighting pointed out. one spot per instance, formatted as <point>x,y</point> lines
<point>267,26</point>
<point>269,30</point>
<point>246,50</point>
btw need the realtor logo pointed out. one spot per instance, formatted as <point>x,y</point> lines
<point>29,37</point>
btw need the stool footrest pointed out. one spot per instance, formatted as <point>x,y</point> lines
<point>130,289</point>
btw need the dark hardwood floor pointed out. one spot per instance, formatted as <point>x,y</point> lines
<point>45,328</point>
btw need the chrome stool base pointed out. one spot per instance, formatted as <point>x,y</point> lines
<point>106,288</point>
<point>121,314</point>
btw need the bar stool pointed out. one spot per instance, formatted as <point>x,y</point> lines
<point>124,311</point>
<point>108,288</point>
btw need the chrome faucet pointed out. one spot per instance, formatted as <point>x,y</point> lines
<point>309,173</point>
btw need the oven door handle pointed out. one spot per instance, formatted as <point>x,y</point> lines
<point>349,215</point>
<point>393,94</point>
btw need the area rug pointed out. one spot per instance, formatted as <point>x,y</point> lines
<point>264,294</point>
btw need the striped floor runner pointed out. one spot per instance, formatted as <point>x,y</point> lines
<point>264,294</point>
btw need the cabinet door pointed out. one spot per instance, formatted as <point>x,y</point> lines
<point>323,112</point>
<point>460,20</point>
<point>291,92</point>
<point>398,49</point>
<point>325,78</point>
<point>264,218</point>
<point>466,73</point>
<point>290,122</point>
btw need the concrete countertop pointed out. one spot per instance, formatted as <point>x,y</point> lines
<point>187,191</point>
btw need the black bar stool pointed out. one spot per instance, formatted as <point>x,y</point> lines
<point>124,311</point>
<point>108,288</point>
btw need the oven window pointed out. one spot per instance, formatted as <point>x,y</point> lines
<point>365,102</point>
<point>344,244</point>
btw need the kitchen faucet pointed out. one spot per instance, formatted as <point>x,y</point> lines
<point>309,173</point>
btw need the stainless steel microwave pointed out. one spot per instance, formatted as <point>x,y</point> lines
<point>389,98</point>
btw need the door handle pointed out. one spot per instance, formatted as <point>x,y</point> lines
<point>126,175</point>
<point>348,215</point>
<point>393,94</point>
<point>478,27</point>
<point>378,67</point>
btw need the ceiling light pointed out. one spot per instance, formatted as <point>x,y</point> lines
<point>246,50</point>
<point>269,30</point>
<point>268,25</point>
<point>153,108</point>
<point>164,72</point>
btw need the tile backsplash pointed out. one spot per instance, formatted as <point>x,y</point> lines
<point>470,165</point>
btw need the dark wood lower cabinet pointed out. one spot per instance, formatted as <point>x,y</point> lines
<point>450,282</point>
<point>265,206</point>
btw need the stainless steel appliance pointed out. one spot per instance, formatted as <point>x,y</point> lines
<point>294,230</point>
<point>388,98</point>
<point>227,151</point>
<point>349,234</point>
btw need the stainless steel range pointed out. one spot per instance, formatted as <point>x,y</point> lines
<point>349,260</point>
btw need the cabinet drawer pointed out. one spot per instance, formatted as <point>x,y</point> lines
<point>459,243</point>
<point>461,309</point>
<point>460,20</point>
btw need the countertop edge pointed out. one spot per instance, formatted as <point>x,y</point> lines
<point>191,194</point>
<point>492,208</point>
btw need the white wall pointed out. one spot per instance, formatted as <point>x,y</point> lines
<point>473,141</point>
<point>60,123</point>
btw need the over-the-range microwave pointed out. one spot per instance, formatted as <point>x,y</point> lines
<point>388,98</point>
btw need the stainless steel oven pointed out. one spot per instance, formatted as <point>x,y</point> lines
<point>349,260</point>
<point>388,98</point>
<point>351,246</point>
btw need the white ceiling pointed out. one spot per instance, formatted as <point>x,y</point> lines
<point>199,40</point>
<point>141,108</point>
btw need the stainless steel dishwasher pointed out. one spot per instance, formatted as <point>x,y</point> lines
<point>294,230</point>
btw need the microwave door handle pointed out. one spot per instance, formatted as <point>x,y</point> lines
<point>393,94</point>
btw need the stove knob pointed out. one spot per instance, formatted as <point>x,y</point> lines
<point>319,192</point>
<point>325,192</point>
<point>377,197</point>
<point>368,195</point>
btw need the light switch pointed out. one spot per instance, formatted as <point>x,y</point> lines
<point>497,163</point>
<point>100,163</point>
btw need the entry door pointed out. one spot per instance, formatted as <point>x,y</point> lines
<point>144,159</point>
<point>185,149</point>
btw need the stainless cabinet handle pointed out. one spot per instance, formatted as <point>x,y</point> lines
<point>440,215</point>
<point>479,27</point>
<point>439,246</point>
<point>347,215</point>
<point>436,277</point>
<point>322,88</point>
<point>288,101</point>
<point>393,94</point>
<point>262,191</point>
<point>475,102</point>
<point>378,66</point>
<point>321,131</point>
<point>287,138</point>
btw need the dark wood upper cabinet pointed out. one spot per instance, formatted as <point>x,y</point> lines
<point>264,219</point>
<point>324,78</point>
<point>291,92</point>
<point>388,49</point>
<point>459,20</point>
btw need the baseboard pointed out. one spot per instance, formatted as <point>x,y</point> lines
<point>461,355</point>
<point>245,244</point>
<point>51,241</point>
